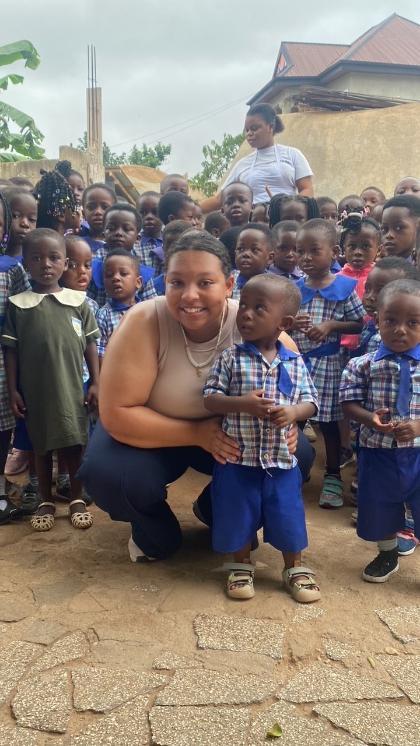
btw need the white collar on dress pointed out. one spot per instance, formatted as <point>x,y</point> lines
<point>67,297</point>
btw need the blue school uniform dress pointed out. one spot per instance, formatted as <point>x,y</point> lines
<point>150,253</point>
<point>338,302</point>
<point>389,471</point>
<point>108,318</point>
<point>263,489</point>
<point>370,339</point>
<point>96,244</point>
<point>13,280</point>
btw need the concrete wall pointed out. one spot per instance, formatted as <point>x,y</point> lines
<point>348,151</point>
<point>85,163</point>
<point>393,86</point>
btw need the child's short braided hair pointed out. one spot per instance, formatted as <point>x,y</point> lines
<point>54,196</point>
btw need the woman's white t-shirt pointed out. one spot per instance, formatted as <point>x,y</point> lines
<point>277,167</point>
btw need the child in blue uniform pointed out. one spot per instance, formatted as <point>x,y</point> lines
<point>285,256</point>
<point>261,388</point>
<point>330,307</point>
<point>400,226</point>
<point>149,247</point>
<point>381,390</point>
<point>253,255</point>
<point>96,200</point>
<point>122,281</point>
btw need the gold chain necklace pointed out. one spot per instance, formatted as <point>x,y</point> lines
<point>199,366</point>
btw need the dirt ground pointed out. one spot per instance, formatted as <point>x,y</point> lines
<point>71,601</point>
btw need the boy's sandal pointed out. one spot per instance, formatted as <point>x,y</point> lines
<point>332,492</point>
<point>82,518</point>
<point>240,582</point>
<point>43,521</point>
<point>303,588</point>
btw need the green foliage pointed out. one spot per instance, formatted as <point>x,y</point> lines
<point>26,143</point>
<point>144,156</point>
<point>217,159</point>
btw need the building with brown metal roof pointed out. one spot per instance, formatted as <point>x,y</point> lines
<point>381,68</point>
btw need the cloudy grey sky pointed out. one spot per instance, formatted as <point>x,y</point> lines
<point>179,71</point>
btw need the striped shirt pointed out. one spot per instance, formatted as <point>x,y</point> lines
<point>241,369</point>
<point>372,380</point>
<point>108,318</point>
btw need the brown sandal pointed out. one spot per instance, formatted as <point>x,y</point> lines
<point>82,518</point>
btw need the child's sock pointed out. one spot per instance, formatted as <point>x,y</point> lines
<point>387,545</point>
<point>62,479</point>
<point>3,502</point>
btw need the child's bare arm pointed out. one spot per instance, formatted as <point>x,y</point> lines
<point>282,416</point>
<point>354,411</point>
<point>92,362</point>
<point>16,402</point>
<point>252,403</point>
<point>322,331</point>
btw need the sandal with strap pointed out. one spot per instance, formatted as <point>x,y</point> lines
<point>43,521</point>
<point>82,518</point>
<point>301,585</point>
<point>240,582</point>
<point>332,492</point>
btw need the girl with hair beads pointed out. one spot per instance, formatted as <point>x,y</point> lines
<point>330,307</point>
<point>400,226</point>
<point>57,206</point>
<point>285,207</point>
<point>96,199</point>
<point>48,331</point>
<point>13,280</point>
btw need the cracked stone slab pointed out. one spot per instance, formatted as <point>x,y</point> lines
<point>127,725</point>
<point>199,726</point>
<point>375,723</point>
<point>321,683</point>
<point>69,648</point>
<point>43,702</point>
<point>201,687</point>
<point>17,736</point>
<point>239,634</point>
<point>13,608</point>
<point>168,661</point>
<point>14,660</point>
<point>402,621</point>
<point>43,631</point>
<point>103,689</point>
<point>295,729</point>
<point>406,672</point>
<point>337,650</point>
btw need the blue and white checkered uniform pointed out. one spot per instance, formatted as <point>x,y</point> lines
<point>150,252</point>
<point>241,369</point>
<point>263,489</point>
<point>238,282</point>
<point>337,302</point>
<point>108,318</point>
<point>13,280</point>
<point>389,470</point>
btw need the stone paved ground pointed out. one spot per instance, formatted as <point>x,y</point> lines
<point>96,650</point>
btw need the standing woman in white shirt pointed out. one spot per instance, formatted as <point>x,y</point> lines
<point>271,168</point>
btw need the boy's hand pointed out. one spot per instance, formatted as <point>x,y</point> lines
<point>255,404</point>
<point>382,427</point>
<point>407,430</point>
<point>17,405</point>
<point>320,332</point>
<point>282,416</point>
<point>92,398</point>
<point>302,322</point>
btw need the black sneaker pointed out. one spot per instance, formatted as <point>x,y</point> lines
<point>10,512</point>
<point>30,500</point>
<point>382,567</point>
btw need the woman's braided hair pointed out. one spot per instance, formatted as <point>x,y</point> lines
<point>54,196</point>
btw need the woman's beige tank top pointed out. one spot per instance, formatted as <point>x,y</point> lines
<point>178,390</point>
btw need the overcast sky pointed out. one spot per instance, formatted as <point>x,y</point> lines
<point>179,71</point>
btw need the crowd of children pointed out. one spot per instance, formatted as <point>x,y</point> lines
<point>342,279</point>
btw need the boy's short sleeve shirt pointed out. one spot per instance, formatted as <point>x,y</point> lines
<point>372,380</point>
<point>241,369</point>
